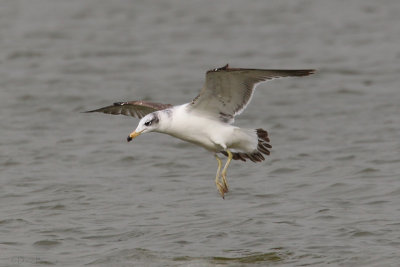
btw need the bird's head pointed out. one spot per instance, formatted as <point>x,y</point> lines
<point>148,123</point>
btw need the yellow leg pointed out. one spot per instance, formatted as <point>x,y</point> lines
<point>223,174</point>
<point>220,187</point>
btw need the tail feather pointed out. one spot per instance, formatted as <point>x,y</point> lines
<point>262,148</point>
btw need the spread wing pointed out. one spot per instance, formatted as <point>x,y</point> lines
<point>137,109</point>
<point>227,91</point>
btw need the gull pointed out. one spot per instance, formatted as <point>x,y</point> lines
<point>207,120</point>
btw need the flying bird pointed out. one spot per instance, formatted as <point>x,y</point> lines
<point>207,120</point>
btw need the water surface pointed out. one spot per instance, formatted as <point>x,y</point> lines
<point>74,193</point>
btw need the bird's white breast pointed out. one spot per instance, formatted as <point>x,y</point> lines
<point>196,128</point>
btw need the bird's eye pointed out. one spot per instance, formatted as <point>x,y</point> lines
<point>148,123</point>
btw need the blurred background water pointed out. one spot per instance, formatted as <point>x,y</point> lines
<point>73,192</point>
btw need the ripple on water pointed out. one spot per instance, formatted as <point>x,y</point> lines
<point>46,244</point>
<point>269,257</point>
<point>10,163</point>
<point>282,170</point>
<point>260,258</point>
<point>14,222</point>
<point>368,170</point>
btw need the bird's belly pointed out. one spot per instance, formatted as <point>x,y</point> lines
<point>196,137</point>
<point>198,131</point>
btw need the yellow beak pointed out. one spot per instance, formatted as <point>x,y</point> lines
<point>134,134</point>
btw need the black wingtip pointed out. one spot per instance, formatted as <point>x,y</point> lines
<point>88,111</point>
<point>221,68</point>
<point>224,67</point>
<point>311,71</point>
<point>303,72</point>
<point>101,109</point>
<point>119,103</point>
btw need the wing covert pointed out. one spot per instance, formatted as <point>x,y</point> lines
<point>227,91</point>
<point>137,109</point>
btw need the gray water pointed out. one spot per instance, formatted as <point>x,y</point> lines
<point>73,192</point>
